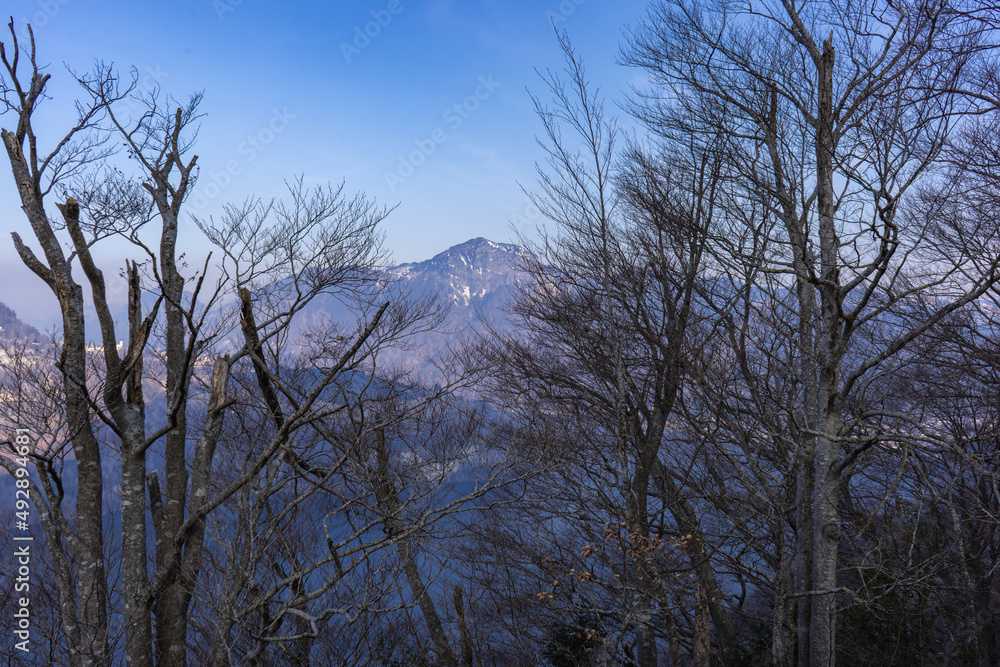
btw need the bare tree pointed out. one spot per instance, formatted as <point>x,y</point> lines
<point>838,113</point>
<point>322,242</point>
<point>358,520</point>
<point>606,329</point>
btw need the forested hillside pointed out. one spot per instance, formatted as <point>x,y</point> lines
<point>11,327</point>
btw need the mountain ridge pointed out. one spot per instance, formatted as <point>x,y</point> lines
<point>485,266</point>
<point>473,279</point>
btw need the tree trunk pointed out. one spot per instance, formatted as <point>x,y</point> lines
<point>646,653</point>
<point>173,601</point>
<point>827,541</point>
<point>135,577</point>
<point>689,524</point>
<point>92,580</point>
<point>388,500</point>
<point>782,624</point>
<point>439,638</point>
<point>702,629</point>
<point>88,542</point>
<point>463,628</point>
<point>826,492</point>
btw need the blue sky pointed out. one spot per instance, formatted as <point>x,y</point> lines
<point>364,91</point>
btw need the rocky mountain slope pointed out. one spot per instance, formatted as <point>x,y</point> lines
<point>472,280</point>
<point>473,275</point>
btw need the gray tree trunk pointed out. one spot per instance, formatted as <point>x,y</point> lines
<point>826,490</point>
<point>89,621</point>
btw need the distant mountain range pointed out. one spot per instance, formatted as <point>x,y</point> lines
<point>473,279</point>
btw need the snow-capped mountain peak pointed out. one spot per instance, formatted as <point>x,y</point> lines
<point>465,272</point>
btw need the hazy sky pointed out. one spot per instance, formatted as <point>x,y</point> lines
<point>420,103</point>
